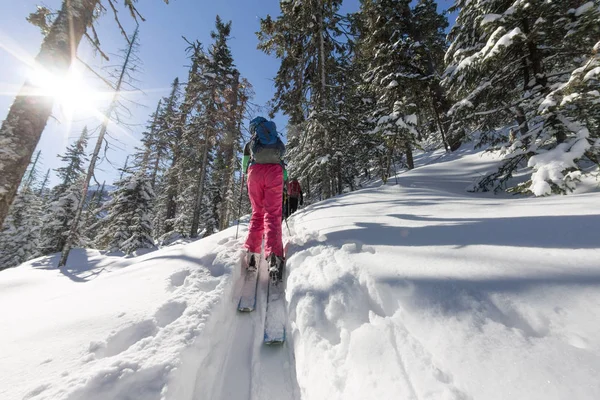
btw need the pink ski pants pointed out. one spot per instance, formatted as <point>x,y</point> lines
<point>265,188</point>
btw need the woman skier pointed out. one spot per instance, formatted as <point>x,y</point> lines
<point>263,161</point>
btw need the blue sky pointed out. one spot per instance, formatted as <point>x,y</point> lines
<point>163,58</point>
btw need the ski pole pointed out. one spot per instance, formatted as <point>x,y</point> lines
<point>286,224</point>
<point>240,207</point>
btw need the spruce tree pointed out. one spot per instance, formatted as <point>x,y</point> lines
<point>166,135</point>
<point>304,38</point>
<point>20,234</point>
<point>228,137</point>
<point>64,198</point>
<point>128,224</point>
<point>93,214</point>
<point>400,53</point>
<point>19,238</point>
<point>505,61</point>
<point>58,217</point>
<point>74,161</point>
<point>218,133</point>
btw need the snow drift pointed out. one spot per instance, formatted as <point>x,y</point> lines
<point>419,290</point>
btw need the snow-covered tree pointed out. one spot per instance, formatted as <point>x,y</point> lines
<point>400,54</point>
<point>74,160</point>
<point>165,138</point>
<point>27,117</point>
<point>58,218</point>
<point>123,78</point>
<point>219,115</point>
<point>227,139</point>
<point>94,214</point>
<point>128,223</point>
<point>303,37</point>
<point>19,238</point>
<point>63,199</point>
<point>506,60</point>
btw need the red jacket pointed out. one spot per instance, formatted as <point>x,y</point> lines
<point>294,189</point>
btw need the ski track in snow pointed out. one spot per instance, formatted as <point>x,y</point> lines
<point>453,302</point>
<point>195,345</point>
<point>417,293</point>
<point>233,363</point>
<point>337,309</point>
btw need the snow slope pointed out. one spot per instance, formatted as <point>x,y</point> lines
<point>424,291</point>
<point>415,291</point>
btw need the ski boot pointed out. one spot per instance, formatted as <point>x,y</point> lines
<point>275,268</point>
<point>252,261</point>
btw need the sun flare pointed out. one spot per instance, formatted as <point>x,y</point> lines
<point>71,91</point>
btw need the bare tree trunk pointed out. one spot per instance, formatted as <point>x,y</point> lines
<point>202,178</point>
<point>200,194</point>
<point>410,163</point>
<point>31,175</point>
<point>90,172</point>
<point>172,189</point>
<point>44,183</point>
<point>27,117</point>
<point>441,127</point>
<point>154,172</point>
<point>326,185</point>
<point>229,154</point>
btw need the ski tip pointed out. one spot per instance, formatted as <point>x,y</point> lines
<point>274,340</point>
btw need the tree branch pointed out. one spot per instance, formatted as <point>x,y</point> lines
<point>115,12</point>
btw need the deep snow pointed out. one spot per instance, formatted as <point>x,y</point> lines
<point>419,290</point>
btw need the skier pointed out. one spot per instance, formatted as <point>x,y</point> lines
<point>294,195</point>
<point>263,161</point>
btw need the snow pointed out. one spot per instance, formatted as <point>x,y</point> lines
<point>493,46</point>
<point>548,103</point>
<point>505,41</point>
<point>419,290</point>
<point>584,8</point>
<point>592,74</point>
<point>488,18</point>
<point>569,98</point>
<point>549,166</point>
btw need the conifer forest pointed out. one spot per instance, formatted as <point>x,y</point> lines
<point>362,92</point>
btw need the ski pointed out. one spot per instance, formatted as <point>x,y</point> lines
<point>275,318</point>
<point>247,301</point>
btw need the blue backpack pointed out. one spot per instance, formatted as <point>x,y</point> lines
<point>264,132</point>
<point>266,147</point>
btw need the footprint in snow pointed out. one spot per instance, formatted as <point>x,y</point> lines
<point>178,278</point>
<point>228,241</point>
<point>577,341</point>
<point>124,339</point>
<point>357,247</point>
<point>169,312</point>
<point>38,390</point>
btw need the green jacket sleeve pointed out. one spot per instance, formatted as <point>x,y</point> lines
<point>246,158</point>
<point>285,175</point>
<point>245,162</point>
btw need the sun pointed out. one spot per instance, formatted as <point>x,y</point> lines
<point>71,92</point>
